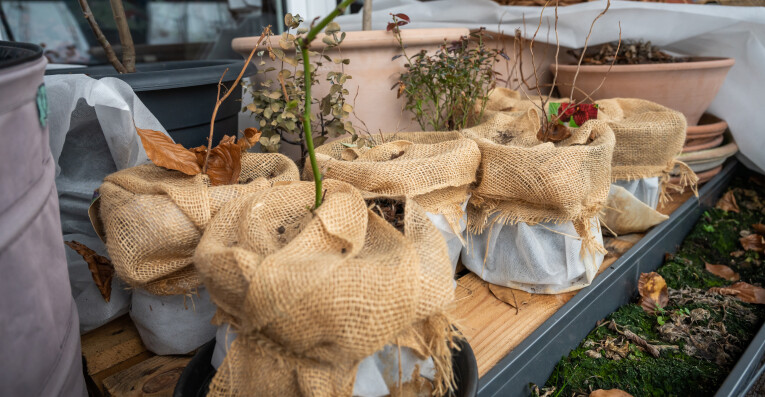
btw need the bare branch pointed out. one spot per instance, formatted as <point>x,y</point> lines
<point>618,46</point>
<point>584,50</point>
<point>126,39</point>
<point>220,100</point>
<point>108,50</point>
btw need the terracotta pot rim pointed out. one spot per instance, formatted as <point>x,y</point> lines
<point>707,130</point>
<point>707,143</point>
<point>702,156</point>
<point>368,39</point>
<point>695,63</point>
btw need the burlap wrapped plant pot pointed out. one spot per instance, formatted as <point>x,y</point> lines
<point>153,219</point>
<point>541,199</point>
<point>435,169</point>
<point>311,293</point>
<point>649,137</point>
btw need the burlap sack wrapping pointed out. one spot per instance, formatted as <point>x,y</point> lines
<point>649,137</point>
<point>310,295</point>
<point>524,180</point>
<point>433,168</point>
<point>154,217</point>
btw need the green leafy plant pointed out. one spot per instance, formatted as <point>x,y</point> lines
<point>446,90</point>
<point>278,99</point>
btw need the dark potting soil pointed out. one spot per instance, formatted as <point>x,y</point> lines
<point>630,53</point>
<point>699,334</point>
<point>390,210</point>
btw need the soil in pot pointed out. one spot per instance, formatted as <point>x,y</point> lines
<point>390,210</point>
<point>688,346</point>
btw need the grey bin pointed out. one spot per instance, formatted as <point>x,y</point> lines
<point>39,327</point>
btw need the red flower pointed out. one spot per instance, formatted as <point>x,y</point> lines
<point>581,113</point>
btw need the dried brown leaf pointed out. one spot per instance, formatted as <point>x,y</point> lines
<point>743,291</point>
<point>727,202</point>
<point>753,242</point>
<point>163,152</point>
<point>737,254</point>
<point>723,272</point>
<point>553,133</point>
<point>653,292</point>
<point>199,152</point>
<point>610,393</point>
<point>249,138</point>
<point>759,228</point>
<point>101,268</point>
<point>225,162</point>
<point>513,297</point>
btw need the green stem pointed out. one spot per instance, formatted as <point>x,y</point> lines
<point>304,43</point>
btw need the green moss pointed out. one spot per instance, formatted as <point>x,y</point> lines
<point>712,240</point>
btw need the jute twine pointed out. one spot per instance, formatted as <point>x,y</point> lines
<point>154,217</point>
<point>311,293</point>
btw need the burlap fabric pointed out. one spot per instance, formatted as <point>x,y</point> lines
<point>649,136</point>
<point>433,168</point>
<point>153,218</point>
<point>524,180</point>
<point>311,294</point>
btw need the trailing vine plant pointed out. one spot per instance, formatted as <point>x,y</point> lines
<point>446,90</point>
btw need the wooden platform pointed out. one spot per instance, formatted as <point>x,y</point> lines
<point>117,363</point>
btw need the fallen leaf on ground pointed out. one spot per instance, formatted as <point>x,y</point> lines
<point>753,242</point>
<point>610,393</point>
<point>162,151</point>
<point>513,297</point>
<point>723,272</point>
<point>727,202</point>
<point>743,291</point>
<point>759,228</point>
<point>653,292</point>
<point>737,254</point>
<point>225,162</point>
<point>101,268</point>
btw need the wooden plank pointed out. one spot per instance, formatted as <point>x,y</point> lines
<point>155,377</point>
<point>494,328</point>
<point>675,201</point>
<point>111,344</point>
<point>98,379</point>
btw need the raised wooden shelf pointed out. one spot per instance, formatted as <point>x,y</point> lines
<point>117,363</point>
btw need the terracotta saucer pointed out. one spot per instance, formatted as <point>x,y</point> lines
<point>694,145</point>
<point>709,126</point>
<point>703,176</point>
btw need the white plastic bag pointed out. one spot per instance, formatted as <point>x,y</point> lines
<point>91,136</point>
<point>543,258</point>
<point>645,190</point>
<point>375,373</point>
<point>454,241</point>
<point>173,324</point>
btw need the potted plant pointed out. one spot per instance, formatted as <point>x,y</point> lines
<point>292,267</point>
<point>153,215</point>
<point>368,55</point>
<point>686,84</point>
<point>178,93</point>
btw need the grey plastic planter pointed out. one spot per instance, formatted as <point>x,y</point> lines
<point>182,95</point>
<point>39,326</point>
<point>535,358</point>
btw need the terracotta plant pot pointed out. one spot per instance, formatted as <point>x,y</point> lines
<point>372,69</point>
<point>688,87</point>
<point>703,176</point>
<point>509,70</point>
<point>693,145</point>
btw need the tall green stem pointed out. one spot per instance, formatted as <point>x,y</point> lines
<point>304,43</point>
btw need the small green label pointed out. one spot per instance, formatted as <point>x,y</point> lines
<point>42,105</point>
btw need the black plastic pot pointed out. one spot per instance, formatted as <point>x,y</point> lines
<point>182,95</point>
<point>196,377</point>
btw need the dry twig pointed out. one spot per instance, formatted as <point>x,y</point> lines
<point>108,50</point>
